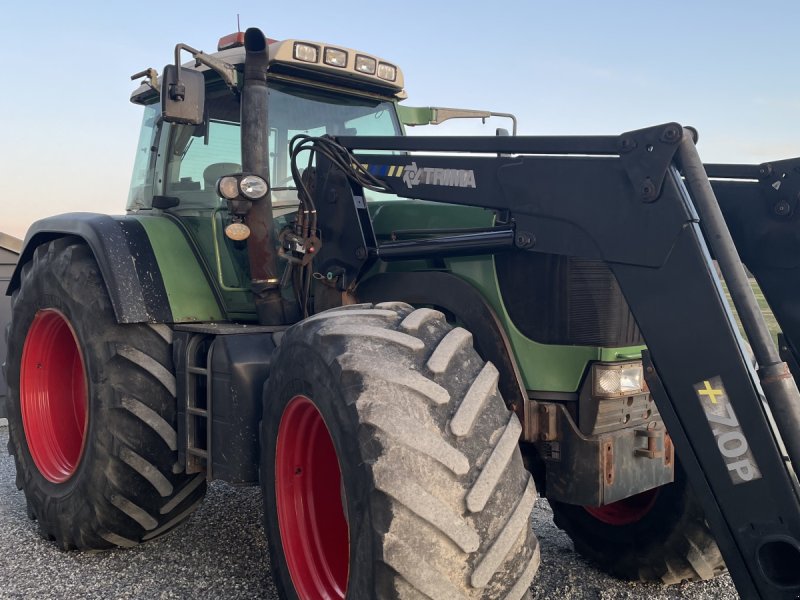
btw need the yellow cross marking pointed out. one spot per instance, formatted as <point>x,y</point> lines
<point>711,392</point>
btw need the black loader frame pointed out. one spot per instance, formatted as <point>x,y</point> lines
<point>642,202</point>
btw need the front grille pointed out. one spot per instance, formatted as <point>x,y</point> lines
<point>563,300</point>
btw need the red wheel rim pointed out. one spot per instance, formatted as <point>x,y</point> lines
<point>627,511</point>
<point>53,396</point>
<point>311,516</point>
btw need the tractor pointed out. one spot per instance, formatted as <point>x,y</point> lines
<point>405,340</point>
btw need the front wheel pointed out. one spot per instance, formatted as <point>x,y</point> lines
<point>390,464</point>
<point>658,535</point>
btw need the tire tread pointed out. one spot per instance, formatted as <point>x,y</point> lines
<point>435,430</point>
<point>128,492</point>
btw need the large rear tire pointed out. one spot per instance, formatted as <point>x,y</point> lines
<point>659,535</point>
<point>390,464</point>
<point>92,411</point>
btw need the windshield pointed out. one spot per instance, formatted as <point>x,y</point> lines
<point>198,156</point>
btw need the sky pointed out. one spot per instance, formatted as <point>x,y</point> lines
<point>728,68</point>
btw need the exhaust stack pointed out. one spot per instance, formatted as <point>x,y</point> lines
<point>264,281</point>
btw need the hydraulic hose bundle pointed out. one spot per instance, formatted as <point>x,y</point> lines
<point>301,243</point>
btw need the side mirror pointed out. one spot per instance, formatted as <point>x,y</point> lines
<point>182,95</point>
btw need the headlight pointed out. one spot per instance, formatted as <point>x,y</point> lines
<point>253,187</point>
<point>617,379</point>
<point>228,187</point>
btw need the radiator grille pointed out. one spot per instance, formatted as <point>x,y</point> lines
<point>564,300</point>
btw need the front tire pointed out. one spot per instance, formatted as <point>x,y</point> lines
<point>390,464</point>
<point>659,535</point>
<point>92,410</point>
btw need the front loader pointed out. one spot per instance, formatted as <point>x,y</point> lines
<point>404,340</point>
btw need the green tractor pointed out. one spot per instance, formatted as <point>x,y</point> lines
<point>405,340</point>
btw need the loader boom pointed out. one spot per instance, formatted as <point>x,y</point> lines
<point>623,200</point>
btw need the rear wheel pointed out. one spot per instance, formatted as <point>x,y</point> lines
<point>52,397</point>
<point>658,535</point>
<point>92,410</point>
<point>390,465</point>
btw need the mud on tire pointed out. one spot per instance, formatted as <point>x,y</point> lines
<point>670,543</point>
<point>123,486</point>
<point>436,500</point>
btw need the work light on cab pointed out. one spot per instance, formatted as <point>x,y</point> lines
<point>387,71</point>
<point>306,52</point>
<point>366,64</point>
<point>335,57</point>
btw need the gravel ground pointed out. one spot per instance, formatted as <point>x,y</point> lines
<point>221,553</point>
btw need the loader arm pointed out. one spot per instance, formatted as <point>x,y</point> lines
<point>760,204</point>
<point>621,199</point>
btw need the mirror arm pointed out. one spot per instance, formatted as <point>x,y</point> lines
<point>225,70</point>
<point>508,116</point>
<point>440,115</point>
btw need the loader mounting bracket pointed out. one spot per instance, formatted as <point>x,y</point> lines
<point>780,182</point>
<point>646,155</point>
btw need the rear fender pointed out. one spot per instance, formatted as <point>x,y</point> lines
<point>149,266</point>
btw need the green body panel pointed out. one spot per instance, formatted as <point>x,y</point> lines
<point>398,215</point>
<point>543,367</point>
<point>190,295</point>
<point>226,261</point>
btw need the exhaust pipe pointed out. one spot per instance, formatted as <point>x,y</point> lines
<point>264,281</point>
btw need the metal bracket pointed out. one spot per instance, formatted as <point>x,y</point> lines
<point>226,71</point>
<point>152,78</point>
<point>780,185</point>
<point>653,435</point>
<point>647,154</point>
<point>345,227</point>
<point>548,422</point>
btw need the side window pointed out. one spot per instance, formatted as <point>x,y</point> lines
<point>223,147</point>
<point>140,194</point>
<point>197,163</point>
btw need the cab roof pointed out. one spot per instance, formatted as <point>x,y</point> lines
<point>315,61</point>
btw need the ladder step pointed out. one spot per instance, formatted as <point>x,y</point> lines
<point>197,370</point>
<point>197,411</point>
<point>197,452</point>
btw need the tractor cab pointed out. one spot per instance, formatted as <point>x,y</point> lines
<point>314,89</point>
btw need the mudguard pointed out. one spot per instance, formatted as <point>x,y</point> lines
<point>151,271</point>
<point>453,294</point>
